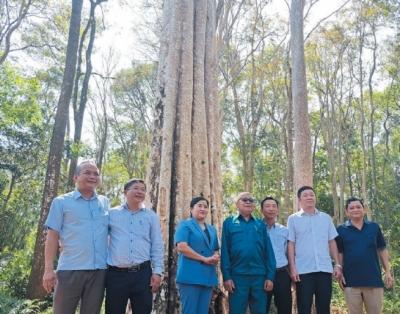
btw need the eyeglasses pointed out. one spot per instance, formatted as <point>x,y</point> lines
<point>136,189</point>
<point>245,200</point>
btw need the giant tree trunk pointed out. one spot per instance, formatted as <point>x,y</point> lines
<point>35,289</point>
<point>185,149</point>
<point>302,132</point>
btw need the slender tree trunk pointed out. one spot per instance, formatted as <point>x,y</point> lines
<point>362,126</point>
<point>302,132</point>
<point>289,142</point>
<point>374,200</point>
<point>79,111</point>
<point>35,289</point>
<point>185,149</point>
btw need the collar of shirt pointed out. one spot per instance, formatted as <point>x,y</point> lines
<point>125,206</point>
<point>78,194</point>
<point>268,227</point>
<point>240,216</point>
<point>349,224</point>
<point>302,212</point>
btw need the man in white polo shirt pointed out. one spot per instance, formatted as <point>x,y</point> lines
<point>311,237</point>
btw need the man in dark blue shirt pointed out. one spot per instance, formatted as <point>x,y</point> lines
<point>360,242</point>
<point>247,259</point>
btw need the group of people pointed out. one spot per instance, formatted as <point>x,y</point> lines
<point>121,249</point>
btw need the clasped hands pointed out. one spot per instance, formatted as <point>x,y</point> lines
<point>212,260</point>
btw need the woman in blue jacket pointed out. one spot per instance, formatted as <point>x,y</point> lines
<point>197,243</point>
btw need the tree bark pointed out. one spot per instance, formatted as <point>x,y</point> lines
<point>34,288</point>
<point>361,30</point>
<point>185,149</point>
<point>289,141</point>
<point>79,111</point>
<point>302,132</point>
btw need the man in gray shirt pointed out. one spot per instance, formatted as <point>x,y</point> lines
<point>311,237</point>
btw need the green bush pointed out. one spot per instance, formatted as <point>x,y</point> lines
<point>12,305</point>
<point>15,268</point>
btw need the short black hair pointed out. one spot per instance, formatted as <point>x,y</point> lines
<point>303,188</point>
<point>198,199</point>
<point>269,198</point>
<point>132,181</point>
<point>79,167</point>
<point>353,199</point>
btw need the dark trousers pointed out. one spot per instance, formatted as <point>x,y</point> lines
<point>320,284</point>
<point>282,292</point>
<point>121,286</point>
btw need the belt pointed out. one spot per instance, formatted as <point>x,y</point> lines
<point>132,269</point>
<point>281,269</point>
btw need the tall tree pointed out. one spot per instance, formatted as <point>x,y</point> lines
<point>80,107</point>
<point>35,289</point>
<point>302,132</point>
<point>186,144</point>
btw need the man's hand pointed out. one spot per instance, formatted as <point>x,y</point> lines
<point>337,273</point>
<point>389,280</point>
<point>294,274</point>
<point>155,282</point>
<point>268,285</point>
<point>49,280</point>
<point>342,282</point>
<point>229,285</point>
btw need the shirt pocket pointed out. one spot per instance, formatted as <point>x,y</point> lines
<point>236,235</point>
<point>101,216</point>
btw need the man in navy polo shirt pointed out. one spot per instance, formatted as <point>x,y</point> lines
<point>360,242</point>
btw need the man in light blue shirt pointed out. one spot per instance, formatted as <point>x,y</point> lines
<point>135,254</point>
<point>311,237</point>
<point>279,236</point>
<point>78,221</point>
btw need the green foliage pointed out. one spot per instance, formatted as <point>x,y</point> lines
<point>15,269</point>
<point>21,154</point>
<point>11,305</point>
<point>18,105</point>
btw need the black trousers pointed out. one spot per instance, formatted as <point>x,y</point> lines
<point>320,284</point>
<point>282,292</point>
<point>121,286</point>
